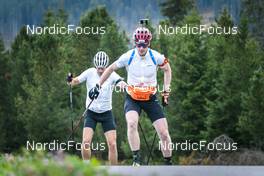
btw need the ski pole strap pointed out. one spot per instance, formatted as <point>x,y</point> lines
<point>118,81</point>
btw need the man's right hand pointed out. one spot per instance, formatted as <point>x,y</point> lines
<point>94,92</point>
<point>69,77</point>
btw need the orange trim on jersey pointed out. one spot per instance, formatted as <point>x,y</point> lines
<point>165,62</point>
<point>141,93</point>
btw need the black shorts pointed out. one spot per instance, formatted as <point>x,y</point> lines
<point>151,107</point>
<point>105,118</point>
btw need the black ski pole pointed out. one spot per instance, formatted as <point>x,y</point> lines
<point>144,137</point>
<point>155,136</point>
<point>151,148</point>
<point>71,106</point>
<point>79,121</point>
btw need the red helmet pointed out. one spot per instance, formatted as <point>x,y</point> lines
<point>142,35</point>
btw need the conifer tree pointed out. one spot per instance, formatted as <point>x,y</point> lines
<point>175,10</point>
<point>251,119</point>
<point>188,60</point>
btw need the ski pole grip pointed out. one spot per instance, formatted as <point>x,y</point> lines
<point>69,77</point>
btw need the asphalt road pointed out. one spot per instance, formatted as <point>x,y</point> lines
<point>187,170</point>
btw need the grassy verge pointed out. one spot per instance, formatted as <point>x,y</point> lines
<point>46,164</point>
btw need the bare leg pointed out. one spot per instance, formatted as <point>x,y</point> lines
<point>86,143</point>
<point>132,130</point>
<point>112,149</point>
<point>161,127</point>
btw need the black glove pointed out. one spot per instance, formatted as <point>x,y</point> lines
<point>165,95</point>
<point>69,77</point>
<point>94,92</point>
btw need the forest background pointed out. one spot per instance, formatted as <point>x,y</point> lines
<point>217,84</point>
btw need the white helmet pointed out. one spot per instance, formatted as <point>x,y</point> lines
<point>101,60</point>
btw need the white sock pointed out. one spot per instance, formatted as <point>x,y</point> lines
<point>86,161</point>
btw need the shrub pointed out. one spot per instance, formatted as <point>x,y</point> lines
<point>40,163</point>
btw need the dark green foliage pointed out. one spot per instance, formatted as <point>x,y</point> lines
<point>251,118</point>
<point>254,12</point>
<point>88,45</point>
<point>234,59</point>
<point>15,67</point>
<point>188,86</point>
<point>217,82</point>
<point>223,99</point>
<point>4,94</point>
<point>175,10</point>
<point>44,105</point>
<point>225,19</point>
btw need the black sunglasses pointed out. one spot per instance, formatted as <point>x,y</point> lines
<point>144,45</point>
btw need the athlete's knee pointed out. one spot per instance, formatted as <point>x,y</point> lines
<point>132,125</point>
<point>86,143</point>
<point>164,135</point>
<point>112,145</point>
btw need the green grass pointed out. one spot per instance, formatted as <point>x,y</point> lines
<point>40,163</point>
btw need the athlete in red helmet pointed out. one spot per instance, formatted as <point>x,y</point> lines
<point>141,64</point>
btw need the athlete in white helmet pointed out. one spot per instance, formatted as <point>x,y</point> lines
<point>141,64</point>
<point>101,108</point>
